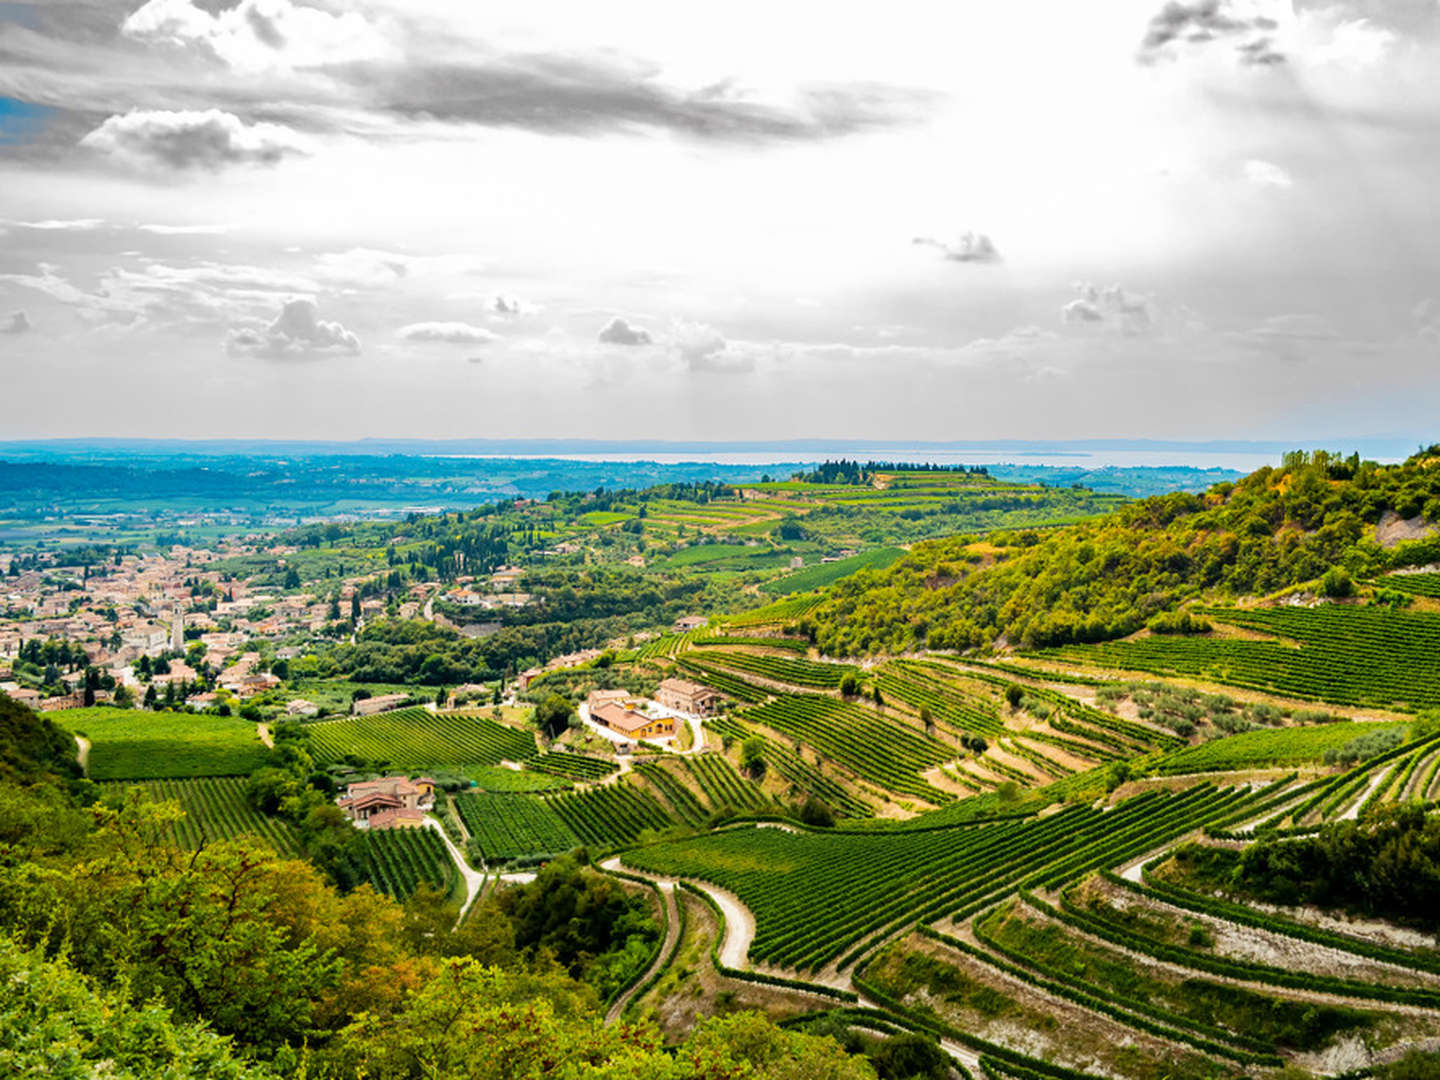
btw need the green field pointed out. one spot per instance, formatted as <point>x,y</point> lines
<point>873,883</point>
<point>1337,653</point>
<point>128,744</point>
<point>1274,747</point>
<point>418,738</point>
<point>817,577</point>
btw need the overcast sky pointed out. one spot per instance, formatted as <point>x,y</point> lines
<point>346,218</point>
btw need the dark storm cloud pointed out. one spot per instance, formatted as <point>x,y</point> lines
<point>570,95</point>
<point>1183,24</point>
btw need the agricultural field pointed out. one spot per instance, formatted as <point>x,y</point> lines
<point>511,827</point>
<point>1273,747</point>
<point>1342,654</point>
<point>823,574</point>
<point>399,860</point>
<point>877,883</point>
<point>418,738</point>
<point>1427,585</point>
<point>888,754</point>
<point>215,809</point>
<point>128,744</point>
<point>500,779</point>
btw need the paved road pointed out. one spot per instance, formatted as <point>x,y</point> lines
<point>474,880</point>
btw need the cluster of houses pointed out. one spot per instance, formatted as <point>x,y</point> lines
<point>620,710</point>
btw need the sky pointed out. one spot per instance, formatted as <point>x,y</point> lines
<point>1038,219</point>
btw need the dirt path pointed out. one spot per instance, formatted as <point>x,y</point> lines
<point>663,957</point>
<point>82,753</point>
<point>1353,810</point>
<point>263,730</point>
<point>739,923</point>
<point>474,880</point>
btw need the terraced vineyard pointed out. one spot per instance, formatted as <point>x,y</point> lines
<point>1269,747</point>
<point>531,827</point>
<point>805,777</point>
<point>876,884</point>
<point>215,809</point>
<point>1344,654</point>
<point>607,817</point>
<point>782,611</point>
<point>783,669</point>
<point>874,747</point>
<point>1416,584</point>
<point>575,766</point>
<point>722,785</point>
<point>398,860</point>
<point>418,738</point>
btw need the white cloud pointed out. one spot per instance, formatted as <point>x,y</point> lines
<point>620,332</point>
<point>1267,174</point>
<point>363,266</point>
<point>260,35</point>
<point>16,322</point>
<point>1354,44</point>
<point>970,247</point>
<point>185,230</point>
<point>452,333</point>
<point>210,139</point>
<point>1112,308</point>
<point>703,349</point>
<point>75,225</point>
<point>297,332</point>
<point>505,306</point>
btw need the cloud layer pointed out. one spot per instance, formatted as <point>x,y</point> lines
<point>210,139</point>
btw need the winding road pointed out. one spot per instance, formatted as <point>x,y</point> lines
<point>474,880</point>
<point>663,957</point>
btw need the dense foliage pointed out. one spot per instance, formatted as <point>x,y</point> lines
<point>1387,864</point>
<point>1105,579</point>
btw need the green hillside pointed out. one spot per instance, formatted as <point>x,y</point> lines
<point>1110,577</point>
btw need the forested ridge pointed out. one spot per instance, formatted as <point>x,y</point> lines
<point>1276,528</point>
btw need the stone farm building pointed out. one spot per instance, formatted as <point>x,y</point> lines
<point>379,703</point>
<point>632,724</point>
<point>687,697</point>
<point>391,802</point>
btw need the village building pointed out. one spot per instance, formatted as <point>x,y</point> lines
<point>631,724</point>
<point>596,698</point>
<point>301,707</point>
<point>687,697</point>
<point>391,802</point>
<point>690,622</point>
<point>379,703</point>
